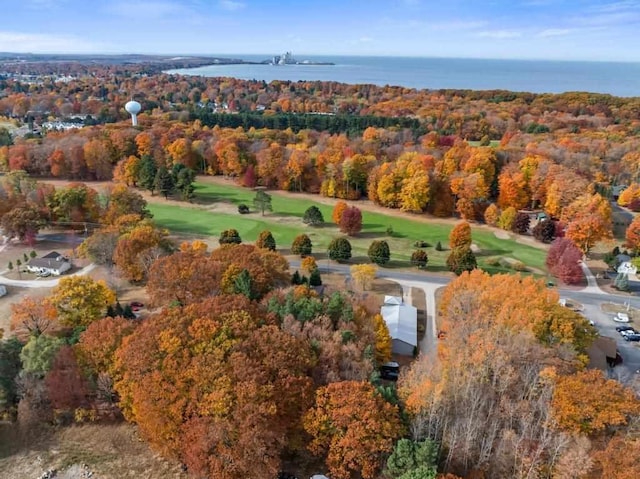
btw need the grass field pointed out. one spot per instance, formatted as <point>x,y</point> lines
<point>285,222</point>
<point>493,143</point>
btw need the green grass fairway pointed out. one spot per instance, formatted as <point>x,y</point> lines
<point>285,222</point>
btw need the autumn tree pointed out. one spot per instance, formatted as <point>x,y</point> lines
<point>460,236</point>
<point>587,402</point>
<point>507,218</point>
<point>216,386</point>
<point>351,221</point>
<point>491,215</point>
<point>563,261</point>
<point>301,245</point>
<point>339,249</point>
<point>80,300</point>
<point>413,459</point>
<point>230,236</point>
<point>184,277</point>
<point>379,252</point>
<point>419,258</point>
<point>66,385</point>
<point>123,201</point>
<point>632,235</point>
<point>38,354</point>
<point>313,216</point>
<point>461,259</point>
<point>521,223</point>
<point>22,222</point>
<point>363,275</point>
<point>354,427</point>
<point>615,464</point>
<point>588,221</point>
<point>98,344</point>
<point>544,231</point>
<point>32,318</point>
<point>138,248</point>
<point>266,241</point>
<point>384,343</point>
<point>338,210</point>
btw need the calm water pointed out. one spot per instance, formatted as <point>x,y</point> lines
<point>622,79</point>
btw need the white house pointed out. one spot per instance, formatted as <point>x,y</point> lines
<point>53,263</point>
<point>402,322</point>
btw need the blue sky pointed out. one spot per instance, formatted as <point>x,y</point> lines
<point>528,29</point>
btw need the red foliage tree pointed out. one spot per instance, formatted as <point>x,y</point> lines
<point>563,261</point>
<point>351,221</point>
<point>66,386</point>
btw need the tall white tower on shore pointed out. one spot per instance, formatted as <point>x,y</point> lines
<point>133,108</point>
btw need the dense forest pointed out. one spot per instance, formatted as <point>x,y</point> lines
<point>238,371</point>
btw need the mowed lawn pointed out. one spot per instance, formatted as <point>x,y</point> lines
<point>285,223</point>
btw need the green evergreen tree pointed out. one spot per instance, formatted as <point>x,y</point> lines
<point>184,178</point>
<point>438,246</point>
<point>339,249</point>
<point>379,252</point>
<point>164,182</point>
<point>10,366</point>
<point>128,313</point>
<point>10,266</point>
<point>314,278</point>
<point>313,216</point>
<point>243,284</point>
<point>147,173</point>
<point>262,202</point>
<point>33,254</point>
<point>295,278</point>
<point>266,241</point>
<point>118,310</point>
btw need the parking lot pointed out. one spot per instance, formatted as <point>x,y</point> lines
<point>630,351</point>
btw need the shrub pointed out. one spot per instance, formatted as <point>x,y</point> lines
<point>339,249</point>
<point>421,244</point>
<point>301,245</point>
<point>507,218</point>
<point>521,223</point>
<point>519,266</point>
<point>544,231</point>
<point>230,236</point>
<point>266,241</point>
<point>313,216</point>
<point>243,209</point>
<point>491,215</point>
<point>438,246</point>
<point>492,262</point>
<point>390,231</point>
<point>419,258</point>
<point>296,278</point>
<point>379,252</point>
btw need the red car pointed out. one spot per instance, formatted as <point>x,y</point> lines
<point>136,305</point>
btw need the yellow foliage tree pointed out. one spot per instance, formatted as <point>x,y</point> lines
<point>308,264</point>
<point>80,300</point>
<point>363,275</point>
<point>491,214</point>
<point>383,340</point>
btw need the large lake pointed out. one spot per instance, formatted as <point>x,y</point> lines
<point>622,79</point>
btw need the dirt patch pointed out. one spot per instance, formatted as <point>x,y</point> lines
<point>108,451</point>
<point>612,308</point>
<point>475,248</point>
<point>501,234</point>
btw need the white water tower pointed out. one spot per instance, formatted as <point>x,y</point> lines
<point>133,108</point>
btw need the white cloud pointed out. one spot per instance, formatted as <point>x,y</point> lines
<point>500,34</point>
<point>46,43</point>
<point>555,32</point>
<point>231,5</point>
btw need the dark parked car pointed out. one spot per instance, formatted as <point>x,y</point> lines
<point>624,328</point>
<point>632,337</point>
<point>390,371</point>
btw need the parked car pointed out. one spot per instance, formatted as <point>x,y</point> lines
<point>629,331</point>
<point>44,274</point>
<point>632,337</point>
<point>621,318</point>
<point>624,328</point>
<point>136,305</point>
<point>390,371</point>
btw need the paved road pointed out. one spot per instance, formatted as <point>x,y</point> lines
<point>40,282</point>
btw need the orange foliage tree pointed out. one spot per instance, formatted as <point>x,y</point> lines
<point>460,236</point>
<point>32,318</point>
<point>354,427</point>
<point>587,402</point>
<point>215,385</point>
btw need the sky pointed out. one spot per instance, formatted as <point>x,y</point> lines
<point>599,30</point>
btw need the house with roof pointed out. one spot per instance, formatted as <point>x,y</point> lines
<point>402,321</point>
<point>603,353</point>
<point>53,263</point>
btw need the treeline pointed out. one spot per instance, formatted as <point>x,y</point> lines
<point>352,125</point>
